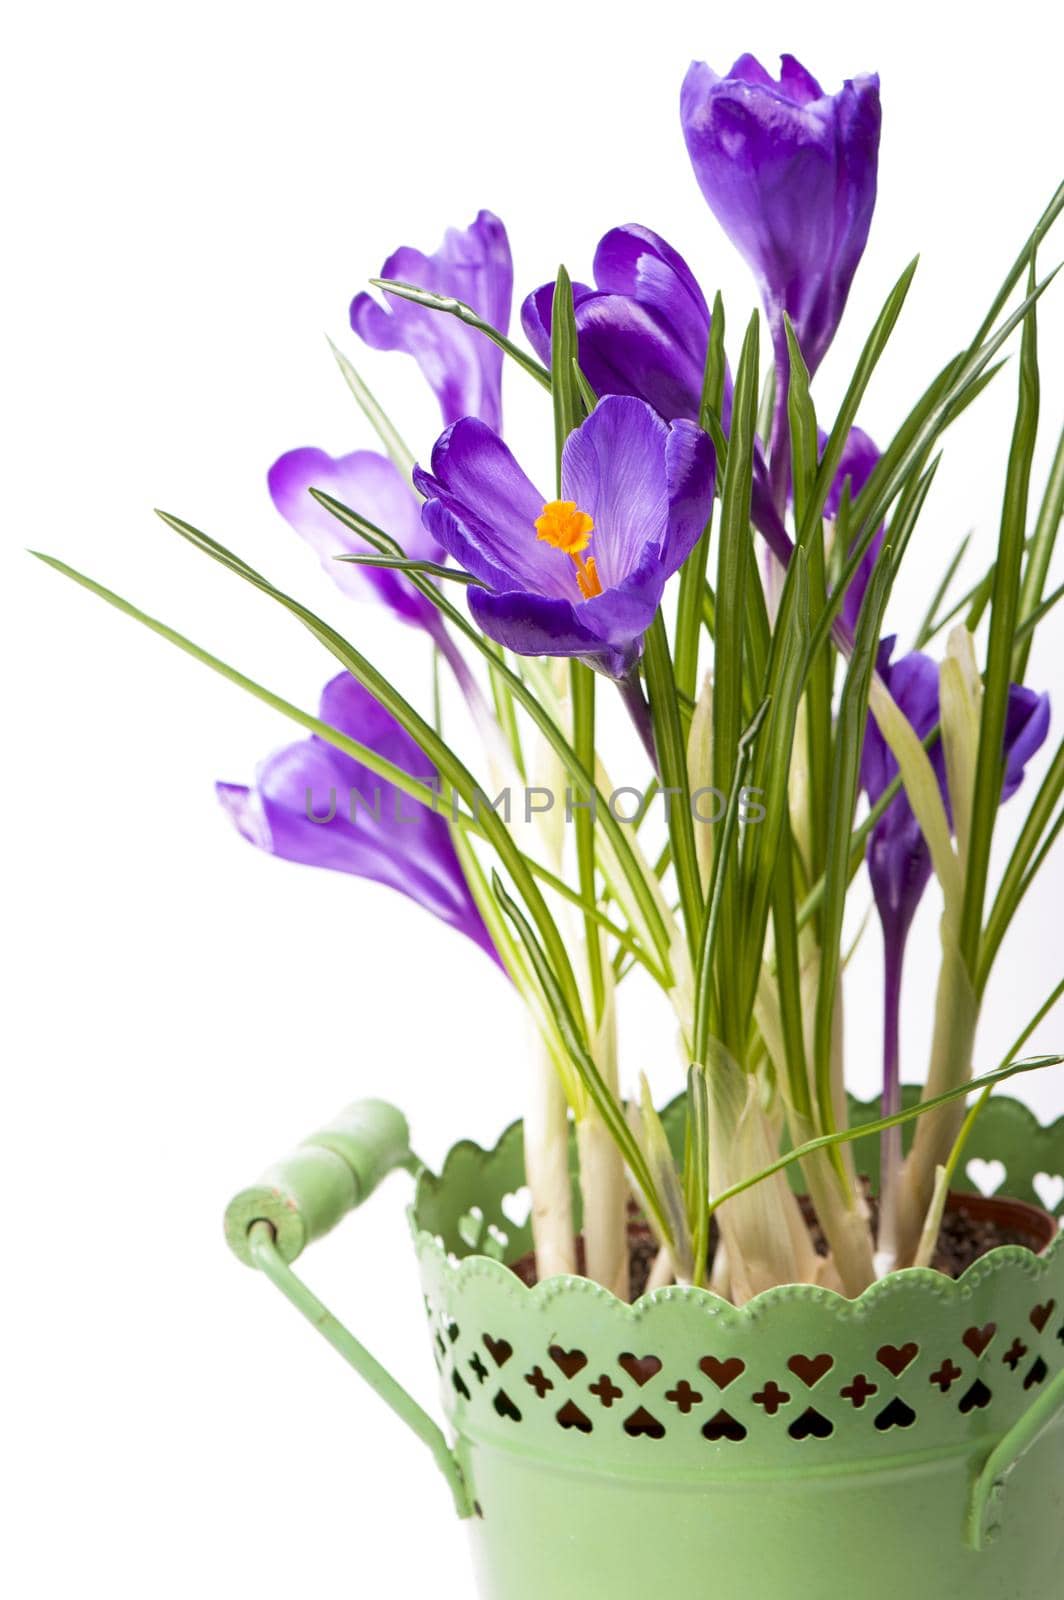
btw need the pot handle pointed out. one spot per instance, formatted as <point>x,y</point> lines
<point>302,1198</point>
<point>988,1496</point>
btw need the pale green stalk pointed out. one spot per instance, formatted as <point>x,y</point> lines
<point>603,1185</point>
<point>762,1228</point>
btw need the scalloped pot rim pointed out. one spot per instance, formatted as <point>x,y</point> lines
<point>919,1282</point>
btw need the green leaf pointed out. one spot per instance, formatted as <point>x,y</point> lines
<point>698,1197</point>
<point>597,1089</point>
<point>1040,554</point>
<point>449,306</point>
<point>565,392</point>
<point>788,978</point>
<point>582,690</point>
<point>1017,875</point>
<point>722,860</point>
<point>1004,615</point>
<point>929,627</point>
<point>734,561</point>
<point>693,573</point>
<point>911,446</point>
<point>428,569</point>
<point>641,893</point>
<point>866,1130</point>
<point>874,346</point>
<point>451,770</point>
<point>845,769</point>
<point>385,429</point>
<point>672,756</point>
<point>771,774</point>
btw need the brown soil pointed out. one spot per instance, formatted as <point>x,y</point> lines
<point>971,1227</point>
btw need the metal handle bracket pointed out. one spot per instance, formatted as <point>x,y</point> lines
<point>299,1200</point>
<point>991,1486</point>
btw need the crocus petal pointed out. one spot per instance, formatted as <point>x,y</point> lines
<point>899,861</point>
<point>314,804</point>
<point>371,485</point>
<point>639,263</point>
<point>644,329</point>
<point>790,173</point>
<point>463,367</point>
<point>1026,727</point>
<point>647,488</point>
<point>613,466</point>
<point>530,625</point>
<point>859,458</point>
<point>690,469</point>
<point>475,477</point>
<point>625,349</point>
<point>537,315</point>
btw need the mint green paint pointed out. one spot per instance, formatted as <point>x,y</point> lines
<point>960,1504</point>
<point>265,1255</point>
<point>333,1171</point>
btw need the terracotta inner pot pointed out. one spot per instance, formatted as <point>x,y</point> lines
<point>1038,1227</point>
<point>1007,1221</point>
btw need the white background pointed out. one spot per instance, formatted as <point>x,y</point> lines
<point>194,192</point>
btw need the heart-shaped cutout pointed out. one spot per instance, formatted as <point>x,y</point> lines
<point>570,1361</point>
<point>571,1416</point>
<point>988,1176</point>
<point>640,1368</point>
<point>897,1357</point>
<point>811,1425</point>
<point>722,1372</point>
<point>471,1227</point>
<point>724,1426</point>
<point>895,1415</point>
<point>1041,1315</point>
<point>811,1369</point>
<point>642,1425</point>
<point>505,1406</point>
<point>517,1207</point>
<point>500,1350</point>
<point>977,1339</point>
<point>1038,1374</point>
<point>977,1397</point>
<point>1049,1187</point>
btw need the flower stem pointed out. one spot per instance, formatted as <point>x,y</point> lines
<point>779,448</point>
<point>631,691</point>
<point>546,1132</point>
<point>891,1143</point>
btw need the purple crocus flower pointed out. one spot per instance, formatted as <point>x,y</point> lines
<point>462,366</point>
<point>859,457</point>
<point>582,575</point>
<point>314,804</point>
<point>369,484</point>
<point>790,173</point>
<point>899,861</point>
<point>644,331</point>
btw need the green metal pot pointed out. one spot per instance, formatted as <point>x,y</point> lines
<point>803,1447</point>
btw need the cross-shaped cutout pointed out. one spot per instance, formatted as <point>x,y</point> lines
<point>606,1390</point>
<point>479,1368</point>
<point>946,1376</point>
<point>771,1397</point>
<point>1014,1354</point>
<point>539,1381</point>
<point>859,1391</point>
<point>684,1397</point>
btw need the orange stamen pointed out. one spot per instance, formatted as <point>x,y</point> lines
<point>565,527</point>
